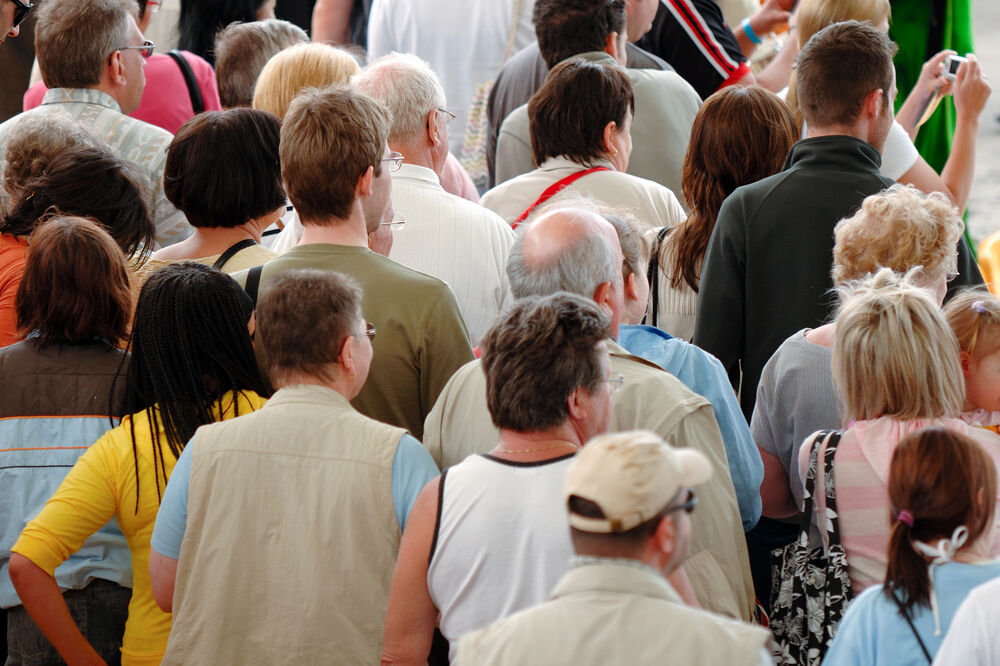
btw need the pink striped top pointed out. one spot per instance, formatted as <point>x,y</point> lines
<point>861,472</point>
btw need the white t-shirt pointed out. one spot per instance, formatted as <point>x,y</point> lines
<point>972,639</point>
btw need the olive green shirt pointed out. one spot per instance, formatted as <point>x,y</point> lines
<point>420,338</point>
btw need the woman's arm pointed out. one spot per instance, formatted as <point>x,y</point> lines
<point>775,492</point>
<point>930,81</point>
<point>971,91</point>
<point>42,599</point>
<point>411,615</point>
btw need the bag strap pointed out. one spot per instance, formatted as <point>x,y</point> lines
<point>916,634</point>
<point>252,285</point>
<point>832,516</point>
<point>554,189</point>
<point>652,275</point>
<point>197,102</point>
<point>231,250</point>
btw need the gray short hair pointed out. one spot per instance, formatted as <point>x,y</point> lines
<point>73,38</point>
<point>407,87</point>
<point>579,267</point>
<point>242,50</point>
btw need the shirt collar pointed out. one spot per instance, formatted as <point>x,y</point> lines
<point>416,173</point>
<point>834,153</point>
<point>81,96</point>
<point>589,574</point>
<point>560,162</point>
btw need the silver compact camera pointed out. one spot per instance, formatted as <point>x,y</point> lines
<point>951,65</point>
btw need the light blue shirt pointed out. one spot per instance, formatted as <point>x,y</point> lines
<point>704,374</point>
<point>412,468</point>
<point>873,632</point>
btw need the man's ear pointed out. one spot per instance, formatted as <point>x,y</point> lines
<point>602,296</point>
<point>433,129</point>
<point>364,186</point>
<point>611,45</point>
<point>872,106</point>
<point>116,69</point>
<point>345,356</point>
<point>665,535</point>
<point>577,408</point>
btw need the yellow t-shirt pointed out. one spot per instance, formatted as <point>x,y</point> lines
<point>102,485</point>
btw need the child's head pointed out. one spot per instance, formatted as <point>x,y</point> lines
<point>974,316</point>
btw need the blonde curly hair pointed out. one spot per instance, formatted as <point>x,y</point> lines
<point>898,228</point>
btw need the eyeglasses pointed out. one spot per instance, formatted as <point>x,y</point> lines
<point>616,380</point>
<point>449,117</point>
<point>145,50</point>
<point>370,330</point>
<point>397,223</point>
<point>687,506</point>
<point>21,10</point>
<point>395,161</point>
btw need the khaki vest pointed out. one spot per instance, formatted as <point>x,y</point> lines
<point>291,536</point>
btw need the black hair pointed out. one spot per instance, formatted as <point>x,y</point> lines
<point>201,19</point>
<point>190,347</point>
<point>566,28</point>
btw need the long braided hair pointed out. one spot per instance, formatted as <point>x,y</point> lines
<point>189,347</point>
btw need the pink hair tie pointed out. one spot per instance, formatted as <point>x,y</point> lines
<point>905,517</point>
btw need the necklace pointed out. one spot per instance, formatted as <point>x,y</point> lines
<point>543,448</point>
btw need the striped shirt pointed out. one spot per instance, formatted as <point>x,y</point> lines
<point>861,474</point>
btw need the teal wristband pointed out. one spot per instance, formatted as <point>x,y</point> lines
<point>748,31</point>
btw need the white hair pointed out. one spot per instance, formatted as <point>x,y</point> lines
<point>406,86</point>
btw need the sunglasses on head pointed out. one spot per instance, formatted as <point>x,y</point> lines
<point>21,10</point>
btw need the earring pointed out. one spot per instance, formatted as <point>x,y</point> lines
<point>614,154</point>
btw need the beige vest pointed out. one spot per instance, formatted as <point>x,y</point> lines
<point>291,536</point>
<point>614,613</point>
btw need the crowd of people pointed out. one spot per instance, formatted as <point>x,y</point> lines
<point>525,332</point>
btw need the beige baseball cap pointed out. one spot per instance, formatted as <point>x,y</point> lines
<point>630,476</point>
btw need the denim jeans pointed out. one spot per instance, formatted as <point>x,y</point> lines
<point>99,610</point>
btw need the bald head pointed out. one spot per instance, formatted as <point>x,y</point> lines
<point>569,249</point>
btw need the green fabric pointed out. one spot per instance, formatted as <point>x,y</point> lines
<point>910,29</point>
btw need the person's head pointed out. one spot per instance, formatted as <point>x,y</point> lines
<point>566,28</point>
<point>299,67</point>
<point>33,142</point>
<point>412,94</point>
<point>900,228</point>
<point>310,327</point>
<point>200,21</point>
<point>190,347</point>
<point>89,182</point>
<point>546,364</point>
<point>570,249</point>
<point>846,81</point>
<point>814,15</point>
<point>80,44</point>
<point>740,135</point>
<point>893,353</point>
<point>639,17</point>
<point>12,14</point>
<point>631,237</point>
<point>628,495</point>
<point>242,50</point>
<point>248,188</point>
<point>939,480</point>
<point>75,287</point>
<point>974,317</point>
<point>380,234</point>
<point>332,144</point>
<point>584,133</point>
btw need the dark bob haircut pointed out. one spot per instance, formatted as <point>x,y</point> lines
<point>562,125</point>
<point>88,182</point>
<point>75,287</point>
<point>222,168</point>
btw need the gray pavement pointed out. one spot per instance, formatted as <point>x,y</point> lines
<point>984,204</point>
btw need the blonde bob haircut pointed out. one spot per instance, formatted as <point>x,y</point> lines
<point>299,67</point>
<point>814,15</point>
<point>406,86</point>
<point>893,353</point>
<point>974,317</point>
<point>898,228</point>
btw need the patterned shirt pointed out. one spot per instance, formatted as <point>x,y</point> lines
<point>142,144</point>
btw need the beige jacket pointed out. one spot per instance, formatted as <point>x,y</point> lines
<point>614,612</point>
<point>651,398</point>
<point>291,536</point>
